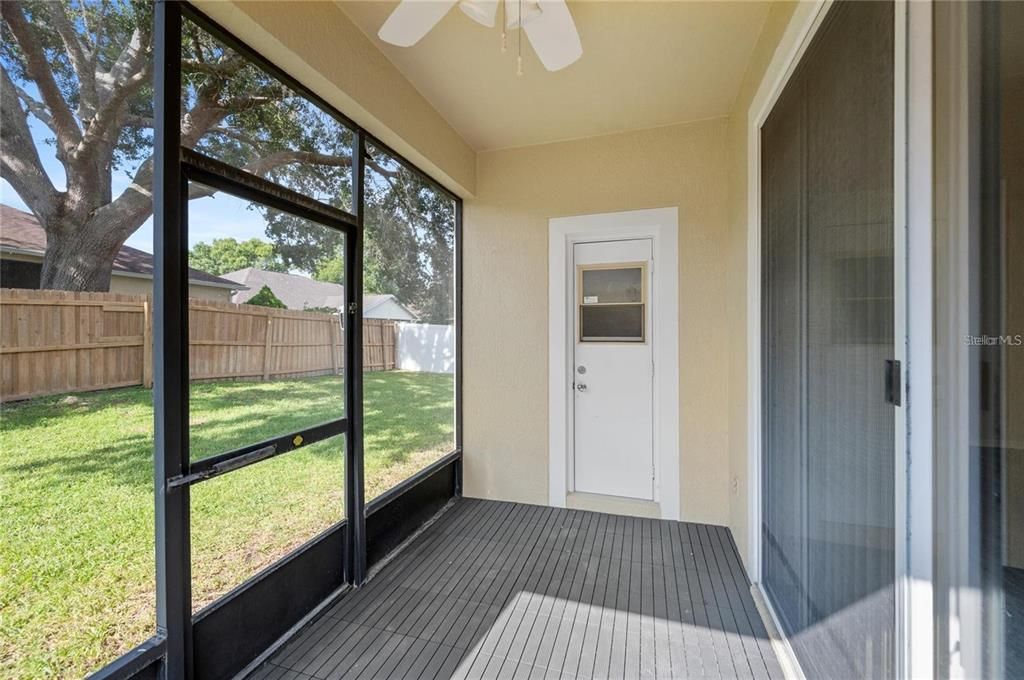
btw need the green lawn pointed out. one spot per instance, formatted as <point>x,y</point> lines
<point>76,501</point>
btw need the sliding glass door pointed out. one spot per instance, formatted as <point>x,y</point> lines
<point>830,386</point>
<point>979,340</point>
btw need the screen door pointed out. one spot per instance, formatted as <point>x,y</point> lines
<point>828,540</point>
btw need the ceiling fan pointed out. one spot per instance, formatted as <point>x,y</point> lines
<point>547,23</point>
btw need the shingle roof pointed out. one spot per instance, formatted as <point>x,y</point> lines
<point>296,291</point>
<point>372,301</point>
<point>21,231</point>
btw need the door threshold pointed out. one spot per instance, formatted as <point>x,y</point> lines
<point>791,669</point>
<point>613,505</point>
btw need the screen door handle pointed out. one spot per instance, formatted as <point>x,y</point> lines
<point>893,382</point>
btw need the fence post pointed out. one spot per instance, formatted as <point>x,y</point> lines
<point>394,346</point>
<point>147,343</point>
<point>266,351</point>
<point>331,340</point>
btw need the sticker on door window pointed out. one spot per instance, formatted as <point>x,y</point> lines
<point>612,302</point>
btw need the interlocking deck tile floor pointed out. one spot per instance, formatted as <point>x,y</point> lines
<point>505,590</point>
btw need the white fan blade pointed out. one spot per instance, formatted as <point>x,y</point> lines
<point>553,35</point>
<point>412,20</point>
<point>480,11</point>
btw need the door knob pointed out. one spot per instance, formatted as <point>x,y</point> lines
<point>581,387</point>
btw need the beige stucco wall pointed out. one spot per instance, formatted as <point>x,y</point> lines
<point>506,288</point>
<point>771,33</point>
<point>134,285</point>
<point>353,76</point>
<point>698,167</point>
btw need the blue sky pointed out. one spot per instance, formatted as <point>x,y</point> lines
<point>221,216</point>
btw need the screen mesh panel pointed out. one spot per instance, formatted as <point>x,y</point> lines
<point>828,523</point>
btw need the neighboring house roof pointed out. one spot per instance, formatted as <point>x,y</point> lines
<point>386,307</point>
<point>296,292</point>
<point>21,233</point>
<point>301,292</point>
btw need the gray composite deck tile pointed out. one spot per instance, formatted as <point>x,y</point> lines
<point>505,590</point>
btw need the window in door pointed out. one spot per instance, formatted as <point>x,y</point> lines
<point>612,302</point>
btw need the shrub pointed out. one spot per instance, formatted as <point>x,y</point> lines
<point>266,298</point>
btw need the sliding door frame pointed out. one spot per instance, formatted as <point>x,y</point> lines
<point>915,316</point>
<point>912,207</point>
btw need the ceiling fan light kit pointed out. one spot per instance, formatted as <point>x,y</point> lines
<point>548,25</point>
<point>519,13</point>
<point>480,11</point>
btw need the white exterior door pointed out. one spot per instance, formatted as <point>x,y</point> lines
<point>613,369</point>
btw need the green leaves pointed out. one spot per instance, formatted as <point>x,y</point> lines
<point>265,298</point>
<point>227,255</point>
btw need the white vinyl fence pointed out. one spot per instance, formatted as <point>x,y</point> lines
<point>427,348</point>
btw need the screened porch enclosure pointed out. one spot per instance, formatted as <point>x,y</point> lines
<point>744,324</point>
<point>386,575</point>
<point>232,578</point>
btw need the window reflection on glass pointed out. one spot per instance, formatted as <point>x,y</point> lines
<point>408,323</point>
<point>612,285</point>
<point>237,113</point>
<point>1001,364</point>
<point>612,323</point>
<point>979,330</point>
<point>611,302</point>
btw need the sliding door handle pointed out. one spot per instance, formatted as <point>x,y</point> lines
<point>893,382</point>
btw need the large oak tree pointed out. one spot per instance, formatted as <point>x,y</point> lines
<point>83,70</point>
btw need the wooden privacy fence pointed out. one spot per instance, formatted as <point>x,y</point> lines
<point>52,342</point>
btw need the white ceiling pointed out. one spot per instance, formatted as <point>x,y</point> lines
<point>644,64</point>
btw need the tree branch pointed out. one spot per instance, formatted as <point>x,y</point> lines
<point>261,166</point>
<point>38,68</point>
<point>133,59</point>
<point>246,102</point>
<point>76,54</point>
<point>97,37</point>
<point>138,121</point>
<point>221,69</point>
<point>391,175</point>
<point>129,210</point>
<point>238,136</point>
<point>36,108</point>
<point>129,73</point>
<point>105,121</point>
<point>19,158</point>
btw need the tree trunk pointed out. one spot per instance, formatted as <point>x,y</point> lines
<point>79,257</point>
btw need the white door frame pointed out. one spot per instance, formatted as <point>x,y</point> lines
<point>661,225</point>
<point>913,323</point>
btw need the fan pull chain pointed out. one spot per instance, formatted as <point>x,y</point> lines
<point>504,23</point>
<point>519,56</point>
